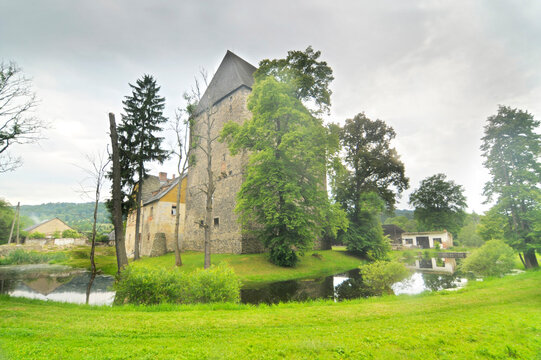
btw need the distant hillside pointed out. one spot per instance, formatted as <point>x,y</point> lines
<point>406,213</point>
<point>76,215</point>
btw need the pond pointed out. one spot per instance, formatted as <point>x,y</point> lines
<point>55,283</point>
<point>346,286</point>
<point>65,284</point>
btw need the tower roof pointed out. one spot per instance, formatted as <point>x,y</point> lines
<point>233,73</point>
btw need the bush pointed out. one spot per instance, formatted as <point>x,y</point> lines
<point>71,234</point>
<point>494,258</point>
<point>19,257</point>
<point>57,235</point>
<point>102,238</point>
<point>36,235</point>
<point>142,286</point>
<point>380,275</point>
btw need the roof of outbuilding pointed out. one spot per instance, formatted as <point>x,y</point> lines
<point>44,222</point>
<point>233,73</point>
<point>164,189</point>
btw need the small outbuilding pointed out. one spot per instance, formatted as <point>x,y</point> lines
<point>49,227</point>
<point>427,240</point>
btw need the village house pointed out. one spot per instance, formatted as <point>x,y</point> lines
<point>427,240</point>
<point>48,227</point>
<point>51,228</point>
<point>158,216</point>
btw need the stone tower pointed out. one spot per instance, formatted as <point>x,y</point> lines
<point>226,97</point>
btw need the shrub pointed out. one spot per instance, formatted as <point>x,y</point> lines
<point>142,286</point>
<point>102,238</point>
<point>494,258</point>
<point>20,256</point>
<point>36,235</point>
<point>380,275</point>
<point>57,234</point>
<point>70,233</point>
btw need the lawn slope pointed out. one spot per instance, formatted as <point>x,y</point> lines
<point>496,319</point>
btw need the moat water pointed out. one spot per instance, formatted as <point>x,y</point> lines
<point>65,284</point>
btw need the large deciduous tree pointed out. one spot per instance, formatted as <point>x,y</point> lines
<point>17,123</point>
<point>367,180</point>
<point>512,149</point>
<point>309,77</point>
<point>283,199</point>
<point>439,204</point>
<point>139,144</point>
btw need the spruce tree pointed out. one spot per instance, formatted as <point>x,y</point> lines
<point>142,119</point>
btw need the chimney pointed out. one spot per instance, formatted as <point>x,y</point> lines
<point>173,176</point>
<point>163,176</point>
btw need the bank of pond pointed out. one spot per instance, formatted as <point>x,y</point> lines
<point>66,284</point>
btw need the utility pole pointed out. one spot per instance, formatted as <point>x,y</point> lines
<point>13,224</point>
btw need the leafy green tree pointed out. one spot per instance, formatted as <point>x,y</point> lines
<point>6,218</point>
<point>439,204</point>
<point>364,235</point>
<point>408,225</point>
<point>512,152</point>
<point>309,76</point>
<point>282,199</point>
<point>494,258</point>
<point>468,234</point>
<point>492,225</point>
<point>366,181</point>
<point>138,142</point>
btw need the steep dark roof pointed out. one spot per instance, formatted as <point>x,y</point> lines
<point>233,73</point>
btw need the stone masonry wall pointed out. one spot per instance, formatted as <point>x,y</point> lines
<point>228,171</point>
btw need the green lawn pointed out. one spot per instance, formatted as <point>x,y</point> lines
<point>494,319</point>
<point>252,269</point>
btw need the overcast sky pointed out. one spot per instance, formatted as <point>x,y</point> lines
<point>433,70</point>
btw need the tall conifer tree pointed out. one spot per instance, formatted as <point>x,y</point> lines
<point>138,141</point>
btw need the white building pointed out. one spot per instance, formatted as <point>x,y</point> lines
<point>427,240</point>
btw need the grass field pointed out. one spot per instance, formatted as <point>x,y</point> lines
<point>252,269</point>
<point>494,319</point>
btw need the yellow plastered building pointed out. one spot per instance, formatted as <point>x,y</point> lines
<point>158,216</point>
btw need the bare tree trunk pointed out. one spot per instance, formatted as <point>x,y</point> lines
<point>13,222</point>
<point>136,254</point>
<point>178,259</point>
<point>93,246</point>
<point>18,225</point>
<point>89,287</point>
<point>530,259</point>
<point>121,258</point>
<point>210,194</point>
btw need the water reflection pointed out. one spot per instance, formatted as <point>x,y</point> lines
<point>56,284</point>
<point>430,275</point>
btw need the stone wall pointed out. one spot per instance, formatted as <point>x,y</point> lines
<point>228,171</point>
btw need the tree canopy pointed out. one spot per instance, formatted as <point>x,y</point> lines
<point>366,180</point>
<point>309,77</point>
<point>512,151</point>
<point>138,141</point>
<point>283,199</point>
<point>439,204</point>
